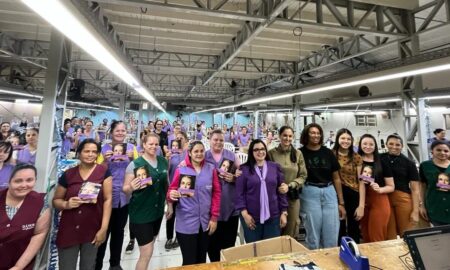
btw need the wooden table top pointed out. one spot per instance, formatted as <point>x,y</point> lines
<point>393,254</point>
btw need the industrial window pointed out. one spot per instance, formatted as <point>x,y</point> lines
<point>447,121</point>
<point>366,120</point>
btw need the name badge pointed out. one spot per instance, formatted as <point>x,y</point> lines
<point>27,227</point>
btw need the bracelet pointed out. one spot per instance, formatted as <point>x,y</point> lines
<point>420,203</point>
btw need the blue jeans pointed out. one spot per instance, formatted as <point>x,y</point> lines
<point>270,229</point>
<point>320,216</point>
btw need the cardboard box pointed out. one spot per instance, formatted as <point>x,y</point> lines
<point>278,245</point>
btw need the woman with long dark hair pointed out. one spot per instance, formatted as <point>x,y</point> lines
<point>262,206</point>
<point>353,190</point>
<point>294,170</point>
<point>321,200</point>
<point>196,189</point>
<point>435,176</point>
<point>380,182</point>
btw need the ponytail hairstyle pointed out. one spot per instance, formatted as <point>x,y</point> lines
<point>293,152</point>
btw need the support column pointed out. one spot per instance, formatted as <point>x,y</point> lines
<point>222,120</point>
<point>255,125</point>
<point>235,118</point>
<point>56,82</point>
<point>50,143</point>
<point>122,107</point>
<point>413,103</point>
<point>297,121</point>
<point>140,119</point>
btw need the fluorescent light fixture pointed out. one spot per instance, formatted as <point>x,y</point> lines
<point>312,89</point>
<point>343,104</point>
<point>21,101</point>
<point>397,75</point>
<point>4,91</point>
<point>92,105</point>
<point>84,108</point>
<point>59,16</point>
<point>437,109</point>
<point>369,112</point>
<point>438,97</point>
<point>218,108</point>
<point>264,99</point>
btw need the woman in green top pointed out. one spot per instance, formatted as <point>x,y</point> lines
<point>294,170</point>
<point>146,207</point>
<point>434,175</point>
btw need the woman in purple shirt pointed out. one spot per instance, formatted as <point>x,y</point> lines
<point>119,214</point>
<point>263,208</point>
<point>244,138</point>
<point>28,153</point>
<point>6,169</point>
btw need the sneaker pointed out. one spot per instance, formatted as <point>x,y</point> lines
<point>168,244</point>
<point>174,244</point>
<point>130,247</point>
<point>117,267</point>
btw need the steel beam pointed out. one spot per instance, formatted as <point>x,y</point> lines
<point>349,50</point>
<point>297,121</point>
<point>50,122</point>
<point>249,32</point>
<point>256,124</point>
<point>251,66</point>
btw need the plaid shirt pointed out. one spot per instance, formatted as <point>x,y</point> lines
<point>12,211</point>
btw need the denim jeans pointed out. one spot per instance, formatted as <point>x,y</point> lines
<point>320,216</point>
<point>270,229</point>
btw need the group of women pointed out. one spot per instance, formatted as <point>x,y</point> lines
<point>346,190</point>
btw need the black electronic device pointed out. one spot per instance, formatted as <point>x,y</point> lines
<point>429,247</point>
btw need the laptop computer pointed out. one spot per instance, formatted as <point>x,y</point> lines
<point>429,247</point>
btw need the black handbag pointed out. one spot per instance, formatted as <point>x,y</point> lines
<point>293,193</point>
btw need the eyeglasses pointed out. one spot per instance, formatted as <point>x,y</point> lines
<point>259,150</point>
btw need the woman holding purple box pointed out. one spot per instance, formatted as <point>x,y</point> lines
<point>197,212</point>
<point>119,215</point>
<point>146,207</point>
<point>263,208</point>
<point>84,220</point>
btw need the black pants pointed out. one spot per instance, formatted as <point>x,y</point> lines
<point>132,237</point>
<point>170,226</point>
<point>224,237</point>
<point>349,226</point>
<point>193,247</point>
<point>116,228</point>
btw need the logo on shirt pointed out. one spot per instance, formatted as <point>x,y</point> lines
<point>27,227</point>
